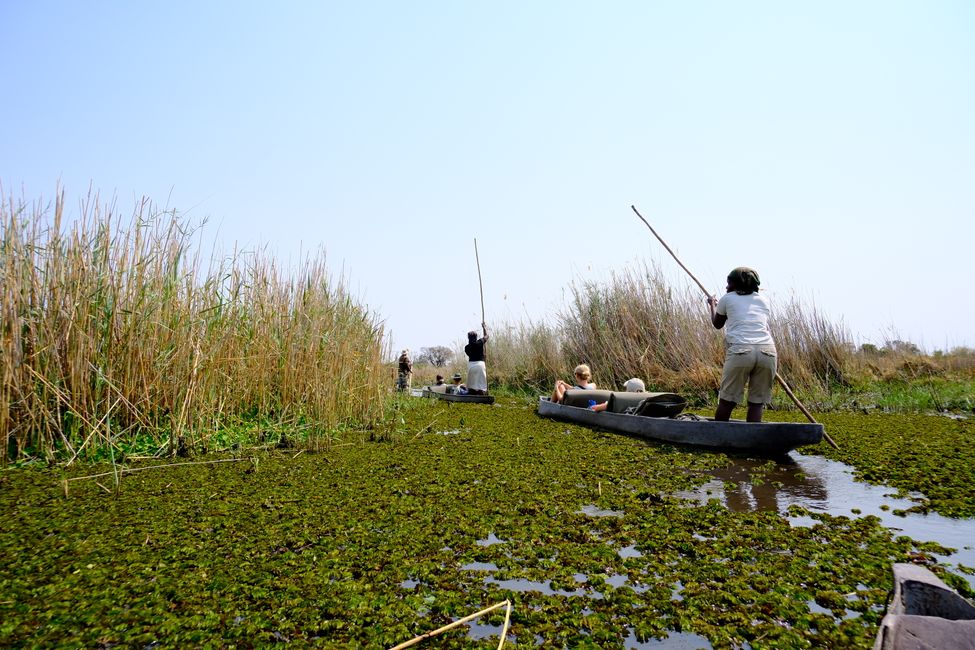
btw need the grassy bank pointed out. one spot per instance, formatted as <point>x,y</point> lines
<point>126,336</point>
<point>462,506</point>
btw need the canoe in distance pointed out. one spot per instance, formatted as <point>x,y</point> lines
<point>768,438</point>
<point>440,392</point>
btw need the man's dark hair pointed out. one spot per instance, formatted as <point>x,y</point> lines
<point>744,280</point>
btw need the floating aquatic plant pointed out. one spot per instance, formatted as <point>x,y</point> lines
<point>372,544</point>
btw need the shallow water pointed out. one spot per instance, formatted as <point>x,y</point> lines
<point>812,482</point>
<point>823,485</point>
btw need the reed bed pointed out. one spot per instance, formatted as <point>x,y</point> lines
<point>122,331</point>
<point>637,325</point>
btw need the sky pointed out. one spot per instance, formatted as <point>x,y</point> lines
<point>829,145</point>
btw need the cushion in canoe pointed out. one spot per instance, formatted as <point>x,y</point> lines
<point>648,404</point>
<point>655,405</point>
<point>580,397</point>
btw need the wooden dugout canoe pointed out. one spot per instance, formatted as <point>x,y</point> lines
<point>924,612</point>
<point>440,392</point>
<point>766,438</point>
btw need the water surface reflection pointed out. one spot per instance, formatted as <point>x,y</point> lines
<point>823,485</point>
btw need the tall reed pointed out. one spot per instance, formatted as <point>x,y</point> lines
<point>114,331</point>
<point>638,325</point>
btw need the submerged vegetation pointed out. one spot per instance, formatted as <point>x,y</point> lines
<point>370,544</point>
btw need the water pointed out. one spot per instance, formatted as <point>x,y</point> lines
<point>812,482</point>
<point>823,485</point>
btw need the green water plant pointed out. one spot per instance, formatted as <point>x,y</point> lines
<point>370,544</point>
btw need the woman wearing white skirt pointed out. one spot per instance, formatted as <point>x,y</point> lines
<point>476,368</point>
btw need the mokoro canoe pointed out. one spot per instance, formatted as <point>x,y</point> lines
<point>924,612</point>
<point>440,392</point>
<point>770,438</point>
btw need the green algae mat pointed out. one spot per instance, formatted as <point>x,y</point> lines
<point>459,507</point>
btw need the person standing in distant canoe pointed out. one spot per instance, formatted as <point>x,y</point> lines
<point>750,355</point>
<point>405,371</point>
<point>476,368</point>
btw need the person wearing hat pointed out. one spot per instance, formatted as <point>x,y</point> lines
<point>457,388</point>
<point>750,355</point>
<point>405,371</point>
<point>476,368</point>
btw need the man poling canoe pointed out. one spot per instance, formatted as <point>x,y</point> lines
<point>750,356</point>
<point>476,362</point>
<point>778,377</point>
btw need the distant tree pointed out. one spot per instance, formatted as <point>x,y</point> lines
<point>438,355</point>
<point>870,350</point>
<point>902,347</point>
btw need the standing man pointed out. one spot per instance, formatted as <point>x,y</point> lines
<point>405,371</point>
<point>745,315</point>
<point>476,369</point>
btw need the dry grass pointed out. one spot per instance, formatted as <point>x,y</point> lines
<point>113,330</point>
<point>636,325</point>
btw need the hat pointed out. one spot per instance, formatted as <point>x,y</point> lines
<point>635,386</point>
<point>457,375</point>
<point>472,334</point>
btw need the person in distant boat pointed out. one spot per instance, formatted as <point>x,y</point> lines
<point>405,371</point>
<point>458,387</point>
<point>750,355</point>
<point>476,368</point>
<point>439,380</point>
<point>633,385</point>
<point>583,377</point>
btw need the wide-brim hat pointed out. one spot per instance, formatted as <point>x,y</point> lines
<point>457,375</point>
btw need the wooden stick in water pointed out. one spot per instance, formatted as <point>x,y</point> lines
<point>450,626</point>
<point>788,391</point>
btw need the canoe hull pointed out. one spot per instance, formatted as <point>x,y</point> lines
<point>771,438</point>
<point>924,612</point>
<point>430,391</point>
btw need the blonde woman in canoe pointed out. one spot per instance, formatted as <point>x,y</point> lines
<point>583,377</point>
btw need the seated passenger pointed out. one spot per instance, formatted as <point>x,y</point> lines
<point>457,388</point>
<point>633,385</point>
<point>582,375</point>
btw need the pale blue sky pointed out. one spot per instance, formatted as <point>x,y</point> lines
<point>830,145</point>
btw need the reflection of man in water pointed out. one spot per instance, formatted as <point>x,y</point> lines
<point>742,495</point>
<point>776,489</point>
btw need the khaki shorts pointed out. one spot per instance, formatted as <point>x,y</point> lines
<point>754,364</point>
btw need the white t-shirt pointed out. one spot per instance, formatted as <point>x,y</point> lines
<point>748,318</point>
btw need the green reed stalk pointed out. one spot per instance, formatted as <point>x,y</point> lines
<point>124,320</point>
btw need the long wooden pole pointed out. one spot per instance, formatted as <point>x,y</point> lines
<point>778,377</point>
<point>459,622</point>
<point>479,283</point>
